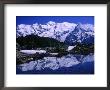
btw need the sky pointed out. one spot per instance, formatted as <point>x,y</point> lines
<point>59,19</point>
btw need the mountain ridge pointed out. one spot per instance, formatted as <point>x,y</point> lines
<point>63,32</point>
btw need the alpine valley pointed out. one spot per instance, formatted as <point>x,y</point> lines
<point>55,48</point>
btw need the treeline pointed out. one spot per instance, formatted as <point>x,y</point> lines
<point>52,45</point>
<point>34,41</point>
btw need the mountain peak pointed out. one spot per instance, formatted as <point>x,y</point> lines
<point>51,23</point>
<point>85,27</point>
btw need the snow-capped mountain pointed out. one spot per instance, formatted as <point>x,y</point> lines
<point>51,29</point>
<point>83,33</point>
<point>65,31</point>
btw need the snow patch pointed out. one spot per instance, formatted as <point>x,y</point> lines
<point>71,47</point>
<point>33,51</point>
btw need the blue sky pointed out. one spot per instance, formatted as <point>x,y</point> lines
<point>59,19</point>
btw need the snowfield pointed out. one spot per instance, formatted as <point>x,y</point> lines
<point>33,51</point>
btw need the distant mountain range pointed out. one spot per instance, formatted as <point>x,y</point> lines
<point>70,33</point>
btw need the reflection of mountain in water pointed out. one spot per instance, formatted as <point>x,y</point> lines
<point>68,64</point>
